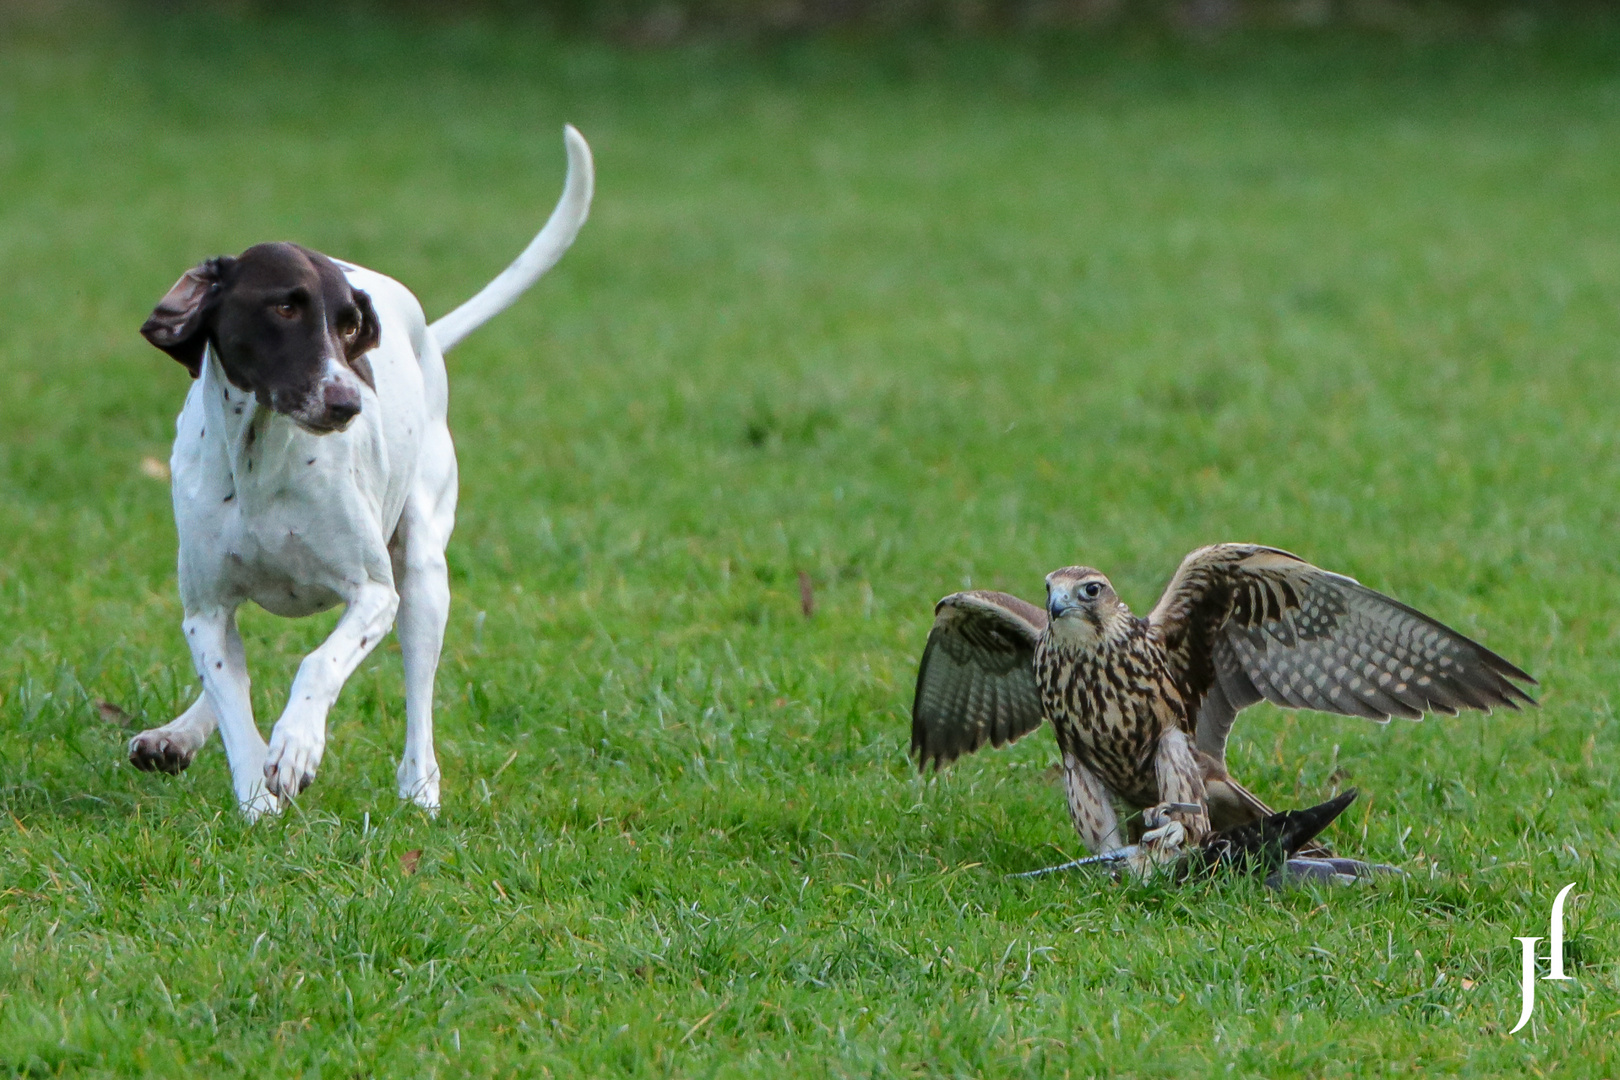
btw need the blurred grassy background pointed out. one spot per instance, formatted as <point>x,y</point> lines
<point>901,311</point>
<point>663,22</point>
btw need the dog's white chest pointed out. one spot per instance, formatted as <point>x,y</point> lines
<point>288,519</point>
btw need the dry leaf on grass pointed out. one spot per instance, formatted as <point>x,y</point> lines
<point>156,468</point>
<point>408,861</point>
<point>113,715</point>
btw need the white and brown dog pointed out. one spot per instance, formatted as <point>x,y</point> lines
<point>313,467</point>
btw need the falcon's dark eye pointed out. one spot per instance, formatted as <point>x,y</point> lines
<point>1091,590</point>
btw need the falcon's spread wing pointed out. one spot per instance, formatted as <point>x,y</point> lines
<point>976,682</point>
<point>1243,622</point>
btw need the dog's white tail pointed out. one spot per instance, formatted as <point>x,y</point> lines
<point>541,255</point>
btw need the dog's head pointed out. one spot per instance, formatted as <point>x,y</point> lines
<point>286,326</point>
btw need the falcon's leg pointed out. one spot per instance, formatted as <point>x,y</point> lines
<point>1091,807</point>
<point>1181,819</point>
<point>1181,780</point>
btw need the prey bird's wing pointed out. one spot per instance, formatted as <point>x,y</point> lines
<point>976,683</point>
<point>1242,622</point>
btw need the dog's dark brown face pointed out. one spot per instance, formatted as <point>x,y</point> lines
<point>286,326</point>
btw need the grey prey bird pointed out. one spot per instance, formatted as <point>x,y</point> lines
<point>1142,707</point>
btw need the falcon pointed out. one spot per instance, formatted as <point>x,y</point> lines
<point>1142,707</point>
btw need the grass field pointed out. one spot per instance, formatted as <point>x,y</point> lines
<point>903,316</point>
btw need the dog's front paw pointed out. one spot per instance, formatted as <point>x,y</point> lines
<point>419,783</point>
<point>290,763</point>
<point>163,750</point>
<point>255,801</point>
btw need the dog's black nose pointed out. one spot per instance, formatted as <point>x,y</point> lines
<point>342,404</point>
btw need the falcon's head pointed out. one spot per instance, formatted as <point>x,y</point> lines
<point>1083,605</point>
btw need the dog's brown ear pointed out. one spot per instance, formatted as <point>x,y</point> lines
<point>365,340</point>
<point>178,324</point>
<point>370,330</point>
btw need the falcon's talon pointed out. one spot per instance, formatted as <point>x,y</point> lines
<point>1142,707</point>
<point>1171,836</point>
<point>1159,850</point>
<point>1156,817</point>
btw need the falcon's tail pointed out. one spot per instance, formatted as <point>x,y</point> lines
<point>1232,805</point>
<point>541,254</point>
<point>1269,843</point>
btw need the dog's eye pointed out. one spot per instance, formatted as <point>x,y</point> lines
<point>287,310</point>
<point>350,330</point>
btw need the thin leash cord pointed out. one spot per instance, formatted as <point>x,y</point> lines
<point>1090,860</point>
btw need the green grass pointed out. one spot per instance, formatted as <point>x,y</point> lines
<point>901,315</point>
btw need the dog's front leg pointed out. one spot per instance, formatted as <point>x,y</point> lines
<point>216,650</point>
<point>299,738</point>
<point>170,748</point>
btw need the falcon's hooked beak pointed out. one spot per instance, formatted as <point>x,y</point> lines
<point>1063,597</point>
<point>1058,604</point>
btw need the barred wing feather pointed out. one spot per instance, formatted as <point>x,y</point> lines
<point>976,682</point>
<point>1243,622</point>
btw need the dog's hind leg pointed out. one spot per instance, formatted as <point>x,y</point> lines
<point>424,608</point>
<point>170,748</point>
